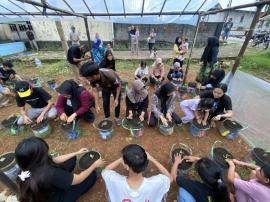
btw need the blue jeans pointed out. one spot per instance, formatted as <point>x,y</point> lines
<point>185,196</point>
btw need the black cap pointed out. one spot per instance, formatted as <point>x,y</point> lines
<point>23,89</point>
<point>7,63</point>
<point>89,69</point>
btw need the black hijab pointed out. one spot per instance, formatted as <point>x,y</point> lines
<point>218,75</point>
<point>211,50</point>
<point>70,87</point>
<point>162,94</point>
<point>108,64</point>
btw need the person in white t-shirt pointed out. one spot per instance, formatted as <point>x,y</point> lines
<point>142,72</point>
<point>74,36</point>
<point>135,187</point>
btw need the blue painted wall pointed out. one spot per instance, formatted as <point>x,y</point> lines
<point>11,48</point>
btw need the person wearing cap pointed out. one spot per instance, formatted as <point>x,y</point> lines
<point>74,101</point>
<point>74,36</point>
<point>137,101</point>
<point>175,73</point>
<point>39,101</point>
<point>158,72</point>
<point>7,72</point>
<point>75,57</point>
<point>109,82</point>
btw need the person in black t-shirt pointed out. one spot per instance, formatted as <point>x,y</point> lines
<point>212,188</point>
<point>7,73</point>
<point>109,82</point>
<point>32,40</point>
<point>46,179</point>
<point>75,56</point>
<point>38,99</point>
<point>223,103</point>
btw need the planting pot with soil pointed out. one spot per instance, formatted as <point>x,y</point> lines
<point>181,150</point>
<point>105,128</point>
<point>135,126</point>
<point>71,130</point>
<point>258,156</point>
<point>51,84</point>
<point>230,128</point>
<point>219,154</point>
<point>88,159</point>
<point>166,130</point>
<point>198,130</point>
<point>8,165</point>
<point>10,124</point>
<point>42,129</point>
<point>35,82</point>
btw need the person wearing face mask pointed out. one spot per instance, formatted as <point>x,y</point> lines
<point>108,62</point>
<point>137,101</point>
<point>163,106</point>
<point>256,189</point>
<point>223,104</point>
<point>74,101</point>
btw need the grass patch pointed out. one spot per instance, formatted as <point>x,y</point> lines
<point>257,65</point>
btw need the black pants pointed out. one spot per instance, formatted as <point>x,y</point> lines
<point>153,81</point>
<point>153,120</point>
<point>87,116</point>
<point>76,191</point>
<point>137,113</point>
<point>150,46</point>
<point>106,96</point>
<point>145,79</point>
<point>180,61</point>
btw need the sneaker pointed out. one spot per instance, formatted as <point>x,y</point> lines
<point>118,121</point>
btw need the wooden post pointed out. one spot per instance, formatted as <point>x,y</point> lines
<point>88,36</point>
<point>248,37</point>
<point>61,35</point>
<point>193,44</point>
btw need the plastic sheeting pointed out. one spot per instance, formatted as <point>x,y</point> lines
<point>251,100</point>
<point>116,6</point>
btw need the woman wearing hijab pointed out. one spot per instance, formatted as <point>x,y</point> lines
<point>98,50</point>
<point>74,101</point>
<point>137,101</point>
<point>209,56</point>
<point>163,106</point>
<point>108,62</point>
<point>178,51</point>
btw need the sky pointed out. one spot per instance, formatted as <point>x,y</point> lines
<point>224,3</point>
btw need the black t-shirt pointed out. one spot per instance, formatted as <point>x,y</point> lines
<point>58,181</point>
<point>74,52</point>
<point>221,104</point>
<point>200,191</point>
<point>38,99</point>
<point>137,107</point>
<point>5,74</point>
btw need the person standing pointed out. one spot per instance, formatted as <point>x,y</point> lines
<point>151,40</point>
<point>133,39</point>
<point>226,29</point>
<point>32,40</point>
<point>109,82</point>
<point>74,36</point>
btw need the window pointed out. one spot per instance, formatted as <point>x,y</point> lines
<point>242,18</point>
<point>22,27</point>
<point>13,27</point>
<point>29,25</point>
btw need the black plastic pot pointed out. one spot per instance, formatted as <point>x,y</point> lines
<point>88,159</point>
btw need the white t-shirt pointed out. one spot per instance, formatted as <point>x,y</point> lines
<point>141,72</point>
<point>152,189</point>
<point>74,37</point>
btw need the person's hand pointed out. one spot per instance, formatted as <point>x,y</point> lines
<point>204,123</point>
<point>141,117</point>
<point>130,115</point>
<point>40,118</point>
<point>99,163</point>
<point>63,117</point>
<point>235,161</point>
<point>116,103</point>
<point>149,157</point>
<point>71,118</point>
<point>27,120</point>
<point>191,159</point>
<point>217,118</point>
<point>178,159</point>
<point>97,108</point>
<point>199,121</point>
<point>82,151</point>
<point>164,121</point>
<point>168,116</point>
<point>230,162</point>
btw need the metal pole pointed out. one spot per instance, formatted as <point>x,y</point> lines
<point>61,35</point>
<point>88,36</point>
<point>162,8</point>
<point>193,44</point>
<point>185,8</point>
<point>248,37</point>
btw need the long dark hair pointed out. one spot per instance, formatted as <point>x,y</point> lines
<point>177,41</point>
<point>212,175</point>
<point>206,104</point>
<point>32,155</point>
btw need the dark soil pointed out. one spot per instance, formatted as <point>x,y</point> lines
<point>192,84</point>
<point>184,165</point>
<point>6,160</point>
<point>134,123</point>
<point>105,125</point>
<point>170,125</point>
<point>39,126</point>
<point>220,155</point>
<point>8,123</point>
<point>88,159</point>
<point>260,156</point>
<point>200,126</point>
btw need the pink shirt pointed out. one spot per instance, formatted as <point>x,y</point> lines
<point>251,191</point>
